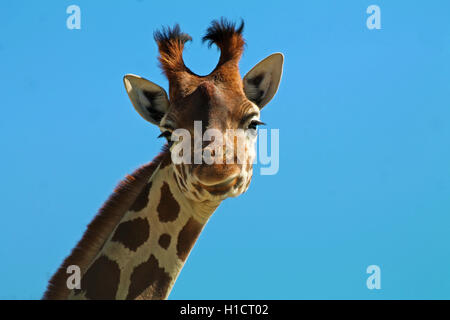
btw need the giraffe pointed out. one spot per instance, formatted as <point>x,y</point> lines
<point>140,239</point>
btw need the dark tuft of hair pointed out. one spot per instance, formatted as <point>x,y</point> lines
<point>222,30</point>
<point>171,44</point>
<point>167,34</point>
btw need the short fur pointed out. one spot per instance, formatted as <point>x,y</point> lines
<point>103,224</point>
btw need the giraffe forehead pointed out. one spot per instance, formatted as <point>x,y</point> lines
<point>211,103</point>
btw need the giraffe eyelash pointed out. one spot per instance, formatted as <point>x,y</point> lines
<point>255,123</point>
<point>165,134</point>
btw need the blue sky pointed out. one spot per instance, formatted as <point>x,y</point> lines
<point>364,120</point>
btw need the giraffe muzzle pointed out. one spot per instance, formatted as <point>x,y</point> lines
<point>217,177</point>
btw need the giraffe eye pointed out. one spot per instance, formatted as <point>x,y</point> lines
<point>254,124</point>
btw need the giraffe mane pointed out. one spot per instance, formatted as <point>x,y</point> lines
<point>103,224</point>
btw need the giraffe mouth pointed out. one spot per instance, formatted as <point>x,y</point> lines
<point>220,188</point>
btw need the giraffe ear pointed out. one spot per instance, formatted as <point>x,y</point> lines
<point>149,99</point>
<point>261,82</point>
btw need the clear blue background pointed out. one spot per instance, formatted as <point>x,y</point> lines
<point>364,119</point>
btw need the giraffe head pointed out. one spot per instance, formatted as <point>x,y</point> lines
<point>209,121</point>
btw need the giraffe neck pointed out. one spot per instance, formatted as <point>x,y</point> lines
<point>146,249</point>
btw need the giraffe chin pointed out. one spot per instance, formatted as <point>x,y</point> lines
<point>229,188</point>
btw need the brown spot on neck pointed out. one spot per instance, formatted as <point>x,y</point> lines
<point>168,207</point>
<point>164,240</point>
<point>101,280</point>
<point>132,234</point>
<point>187,237</point>
<point>149,281</point>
